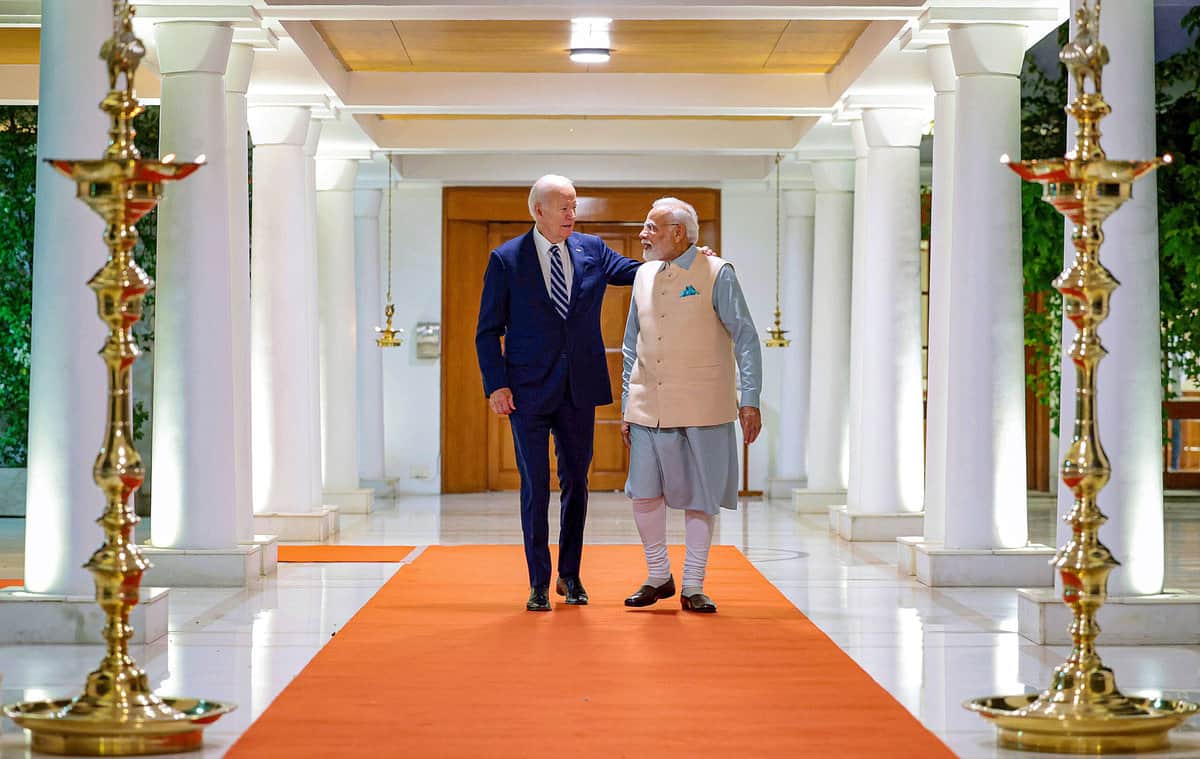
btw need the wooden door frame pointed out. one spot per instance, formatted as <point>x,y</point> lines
<point>511,204</point>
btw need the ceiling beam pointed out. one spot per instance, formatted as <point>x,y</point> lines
<point>626,169</point>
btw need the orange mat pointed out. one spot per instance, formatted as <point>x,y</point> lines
<point>343,554</point>
<point>11,583</point>
<point>445,662</point>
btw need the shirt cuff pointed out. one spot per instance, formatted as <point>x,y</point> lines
<point>749,398</point>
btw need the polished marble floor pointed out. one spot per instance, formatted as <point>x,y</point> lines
<point>931,648</point>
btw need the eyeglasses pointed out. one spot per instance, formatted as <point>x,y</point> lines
<point>651,227</point>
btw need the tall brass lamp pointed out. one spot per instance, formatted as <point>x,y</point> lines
<point>118,714</point>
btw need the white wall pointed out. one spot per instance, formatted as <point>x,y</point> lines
<point>748,241</point>
<point>411,386</point>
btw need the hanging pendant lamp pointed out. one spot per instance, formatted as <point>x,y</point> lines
<point>388,336</point>
<point>776,333</point>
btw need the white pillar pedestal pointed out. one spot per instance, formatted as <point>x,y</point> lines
<point>940,567</point>
<point>863,526</point>
<point>369,304</point>
<point>809,501</point>
<point>829,398</point>
<point>1171,618</point>
<point>234,567</point>
<point>284,502</point>
<point>194,502</point>
<point>796,302</point>
<point>67,392</point>
<point>890,470</point>
<point>27,618</point>
<point>339,346</point>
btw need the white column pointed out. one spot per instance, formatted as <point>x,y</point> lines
<point>194,503</point>
<point>892,460</point>
<point>67,390</point>
<point>370,314</point>
<point>858,315</point>
<point>985,410</point>
<point>1128,389</point>
<point>796,297</point>
<point>311,319</point>
<point>828,418</point>
<point>941,70</point>
<point>237,80</point>
<point>339,344</point>
<point>279,399</point>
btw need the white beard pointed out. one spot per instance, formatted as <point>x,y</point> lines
<point>648,254</point>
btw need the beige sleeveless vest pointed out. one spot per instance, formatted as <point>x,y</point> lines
<point>684,373</point>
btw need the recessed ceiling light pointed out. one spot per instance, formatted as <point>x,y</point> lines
<point>590,42</point>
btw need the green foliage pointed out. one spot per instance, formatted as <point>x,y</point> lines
<point>1043,134</point>
<point>18,177</point>
<point>1179,205</point>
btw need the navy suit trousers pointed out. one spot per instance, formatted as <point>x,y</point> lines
<point>572,428</point>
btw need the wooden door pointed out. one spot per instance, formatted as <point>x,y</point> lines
<point>610,459</point>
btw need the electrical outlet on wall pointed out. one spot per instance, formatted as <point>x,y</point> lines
<point>420,472</point>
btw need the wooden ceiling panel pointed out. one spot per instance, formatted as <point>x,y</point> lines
<point>700,47</point>
<point>19,46</point>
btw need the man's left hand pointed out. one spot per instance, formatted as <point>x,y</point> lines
<point>751,422</point>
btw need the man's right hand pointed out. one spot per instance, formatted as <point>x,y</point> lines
<point>501,401</point>
<point>625,434</point>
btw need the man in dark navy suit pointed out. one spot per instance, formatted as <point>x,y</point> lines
<point>542,293</point>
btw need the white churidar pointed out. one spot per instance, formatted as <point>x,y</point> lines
<point>280,402</point>
<point>941,70</point>
<point>194,502</point>
<point>237,80</point>
<point>335,260</point>
<point>891,465</point>
<point>67,381</point>
<point>796,300</point>
<point>828,406</point>
<point>984,470</point>
<point>310,316</point>
<point>370,313</point>
<point>858,312</point>
<point>1128,391</point>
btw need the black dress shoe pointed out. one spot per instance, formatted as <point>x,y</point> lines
<point>648,594</point>
<point>698,602</point>
<point>539,598</point>
<point>572,588</point>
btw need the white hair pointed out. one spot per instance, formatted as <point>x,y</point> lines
<point>683,213</point>
<point>542,188</point>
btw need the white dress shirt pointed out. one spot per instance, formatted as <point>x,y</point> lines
<point>564,255</point>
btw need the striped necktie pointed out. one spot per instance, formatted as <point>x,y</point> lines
<point>558,283</point>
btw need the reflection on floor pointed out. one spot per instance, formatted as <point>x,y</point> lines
<point>931,648</point>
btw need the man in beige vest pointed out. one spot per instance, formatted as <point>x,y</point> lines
<point>687,322</point>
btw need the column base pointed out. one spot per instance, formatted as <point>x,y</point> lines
<point>782,488</point>
<point>269,555</point>
<point>1171,618</point>
<point>941,567</point>
<point>357,501</point>
<point>314,526</point>
<point>36,618</point>
<point>384,488</point>
<point>906,554</point>
<point>805,501</point>
<point>234,567</point>
<point>858,526</point>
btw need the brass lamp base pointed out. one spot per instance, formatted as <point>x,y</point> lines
<point>1124,726</point>
<point>53,729</point>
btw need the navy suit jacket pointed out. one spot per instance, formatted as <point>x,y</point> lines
<point>541,350</point>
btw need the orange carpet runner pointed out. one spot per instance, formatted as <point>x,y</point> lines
<point>343,554</point>
<point>444,661</point>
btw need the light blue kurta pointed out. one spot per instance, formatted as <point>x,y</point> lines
<point>695,467</point>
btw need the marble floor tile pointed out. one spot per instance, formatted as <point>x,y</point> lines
<point>931,648</point>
